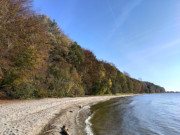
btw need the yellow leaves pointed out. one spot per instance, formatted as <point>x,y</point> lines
<point>123,77</point>
<point>110,83</point>
<point>31,49</point>
<point>76,76</point>
<point>102,74</point>
<point>70,86</point>
<point>17,82</point>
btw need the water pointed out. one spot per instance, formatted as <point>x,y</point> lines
<point>153,114</point>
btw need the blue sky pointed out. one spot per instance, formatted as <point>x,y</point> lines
<point>141,37</point>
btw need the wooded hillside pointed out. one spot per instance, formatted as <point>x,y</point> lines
<point>38,60</point>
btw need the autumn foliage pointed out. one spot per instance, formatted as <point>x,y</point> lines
<point>38,60</point>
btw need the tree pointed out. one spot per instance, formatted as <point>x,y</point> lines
<point>22,45</point>
<point>126,74</point>
<point>38,60</point>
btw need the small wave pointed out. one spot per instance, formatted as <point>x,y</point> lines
<point>88,128</point>
<point>84,110</point>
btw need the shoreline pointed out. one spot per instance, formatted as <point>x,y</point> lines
<point>44,116</point>
<point>69,115</point>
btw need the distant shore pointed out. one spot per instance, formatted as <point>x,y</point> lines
<point>44,116</point>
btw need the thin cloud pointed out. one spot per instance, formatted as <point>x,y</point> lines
<point>144,56</point>
<point>158,48</point>
<point>112,12</point>
<point>120,20</point>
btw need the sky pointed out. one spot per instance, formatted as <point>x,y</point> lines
<point>141,37</point>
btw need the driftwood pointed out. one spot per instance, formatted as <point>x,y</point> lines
<point>48,131</point>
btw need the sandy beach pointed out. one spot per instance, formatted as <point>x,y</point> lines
<point>44,116</point>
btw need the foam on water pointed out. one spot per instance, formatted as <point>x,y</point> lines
<point>84,110</point>
<point>88,128</point>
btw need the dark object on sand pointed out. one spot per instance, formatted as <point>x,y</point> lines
<point>64,130</point>
<point>80,106</point>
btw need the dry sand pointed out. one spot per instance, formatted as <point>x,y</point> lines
<point>44,116</point>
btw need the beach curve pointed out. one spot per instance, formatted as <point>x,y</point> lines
<point>43,116</point>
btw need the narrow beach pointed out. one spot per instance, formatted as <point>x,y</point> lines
<point>44,116</point>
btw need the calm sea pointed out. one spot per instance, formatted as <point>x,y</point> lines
<point>151,114</point>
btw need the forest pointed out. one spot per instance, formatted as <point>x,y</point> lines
<point>38,60</point>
